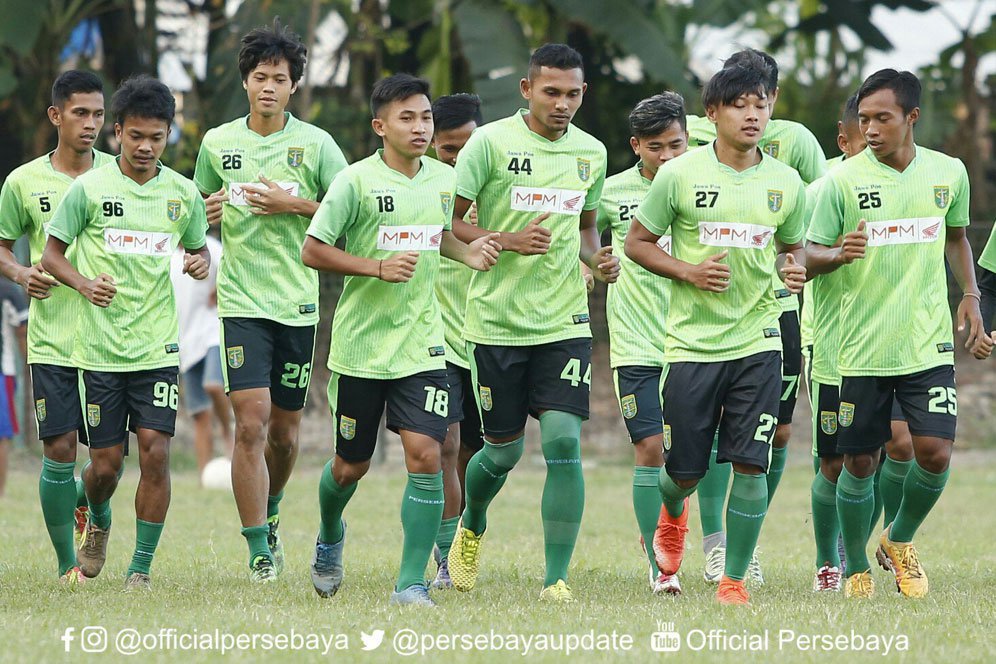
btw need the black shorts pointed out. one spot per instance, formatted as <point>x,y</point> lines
<point>740,396</point>
<point>638,389</point>
<point>826,403</point>
<point>514,382</point>
<point>116,402</point>
<point>927,399</point>
<point>57,401</point>
<point>791,364</point>
<point>257,352</point>
<point>418,403</point>
<point>463,407</point>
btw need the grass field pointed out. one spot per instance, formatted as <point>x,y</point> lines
<point>200,582</point>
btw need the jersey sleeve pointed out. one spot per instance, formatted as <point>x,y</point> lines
<point>793,229</point>
<point>473,167</point>
<point>595,191</point>
<point>338,211</point>
<point>12,216</point>
<point>193,237</point>
<point>827,222</point>
<point>448,216</point>
<point>206,178</point>
<point>602,220</point>
<point>658,211</point>
<point>71,216</point>
<point>331,160</point>
<point>958,210</point>
<point>812,163</point>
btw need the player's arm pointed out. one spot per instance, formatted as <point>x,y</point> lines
<point>827,246</point>
<point>209,183</point>
<point>531,240</point>
<point>32,278</point>
<point>791,260</point>
<point>959,254</point>
<point>196,260</point>
<point>987,289</point>
<point>604,266</point>
<point>479,255</point>
<point>641,247</point>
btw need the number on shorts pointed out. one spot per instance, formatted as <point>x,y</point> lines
<point>166,395</point>
<point>943,400</point>
<point>572,372</point>
<point>296,376</point>
<point>793,385</point>
<point>437,401</point>
<point>765,430</point>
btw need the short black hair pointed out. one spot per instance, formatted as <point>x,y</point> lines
<point>456,110</point>
<point>557,56</point>
<point>396,88</point>
<point>143,97</point>
<point>748,76</point>
<point>73,81</point>
<point>849,115</point>
<point>270,44</point>
<point>904,84</point>
<point>653,115</point>
<point>749,56</point>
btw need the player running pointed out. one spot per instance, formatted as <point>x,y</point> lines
<point>28,200</point>
<point>723,344</point>
<point>394,209</point>
<point>126,218</point>
<point>262,175</point>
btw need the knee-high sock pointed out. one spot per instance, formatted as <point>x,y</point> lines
<point>826,526</point>
<point>332,500</point>
<point>57,492</point>
<point>647,506</point>
<point>672,495</point>
<point>563,492</point>
<point>712,490</point>
<point>920,491</point>
<point>444,538</point>
<point>891,485</point>
<point>775,470</point>
<point>486,474</point>
<point>877,509</point>
<point>146,540</point>
<point>855,502</point>
<point>744,515</point>
<point>421,512</point>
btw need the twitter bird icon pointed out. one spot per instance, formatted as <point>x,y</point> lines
<point>373,640</point>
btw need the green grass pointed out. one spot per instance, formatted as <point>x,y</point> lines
<point>200,581</point>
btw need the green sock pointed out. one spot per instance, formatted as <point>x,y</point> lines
<point>421,512</point>
<point>486,473</point>
<point>921,490</point>
<point>711,492</point>
<point>81,491</point>
<point>273,505</point>
<point>891,485</point>
<point>100,514</point>
<point>816,464</point>
<point>877,509</point>
<point>672,495</point>
<point>826,526</point>
<point>444,538</point>
<point>744,515</point>
<point>332,500</point>
<point>855,502</point>
<point>256,538</point>
<point>57,491</point>
<point>775,469</point>
<point>647,505</point>
<point>146,540</point>
<point>563,492</point>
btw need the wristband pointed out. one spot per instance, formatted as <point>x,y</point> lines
<point>975,295</point>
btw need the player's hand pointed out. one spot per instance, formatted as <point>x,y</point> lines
<point>606,265</point>
<point>399,268</point>
<point>36,282</point>
<point>711,275</point>
<point>269,199</point>
<point>471,216</point>
<point>589,277</point>
<point>483,252</point>
<point>99,291</point>
<point>532,240</point>
<point>970,312</point>
<point>196,266</point>
<point>213,203</point>
<point>793,274</point>
<point>853,246</point>
<point>984,347</point>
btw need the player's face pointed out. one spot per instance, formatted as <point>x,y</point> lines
<point>883,123</point>
<point>406,126</point>
<point>79,120</point>
<point>850,140</point>
<point>554,97</point>
<point>741,123</point>
<point>269,88</point>
<point>655,151</point>
<point>143,141</point>
<point>449,142</point>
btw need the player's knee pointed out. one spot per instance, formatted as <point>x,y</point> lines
<point>861,465</point>
<point>61,448</point>
<point>423,459</point>
<point>935,456</point>
<point>505,455</point>
<point>649,451</point>
<point>830,467</point>
<point>346,473</point>
<point>249,432</point>
<point>783,432</point>
<point>105,469</point>
<point>900,446</point>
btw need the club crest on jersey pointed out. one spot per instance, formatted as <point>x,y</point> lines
<point>173,210</point>
<point>485,394</point>
<point>771,149</point>
<point>347,427</point>
<point>236,356</point>
<point>667,436</point>
<point>445,198</point>
<point>584,169</point>
<point>93,414</point>
<point>629,409</point>
<point>775,198</point>
<point>295,157</point>
<point>941,197</point>
<point>828,422</point>
<point>846,415</point>
<point>41,411</point>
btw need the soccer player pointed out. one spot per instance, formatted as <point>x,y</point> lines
<point>529,342</point>
<point>454,118</point>
<point>262,175</point>
<point>636,308</point>
<point>730,209</point>
<point>28,200</point>
<point>126,218</point>
<point>13,334</point>
<point>899,210</point>
<point>388,348</point>
<point>987,281</point>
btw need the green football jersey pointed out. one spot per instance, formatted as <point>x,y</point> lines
<point>388,330</point>
<point>29,197</point>
<point>636,306</point>
<point>708,208</point>
<point>894,315</point>
<point>515,175</point>
<point>987,258</point>
<point>452,285</point>
<point>806,312</point>
<point>823,293</point>
<point>129,232</point>
<point>261,273</point>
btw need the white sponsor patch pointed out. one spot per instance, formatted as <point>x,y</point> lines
<point>410,238</point>
<point>664,242</point>
<point>138,242</point>
<point>537,199</point>
<point>742,236</point>
<point>237,190</point>
<point>904,231</point>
